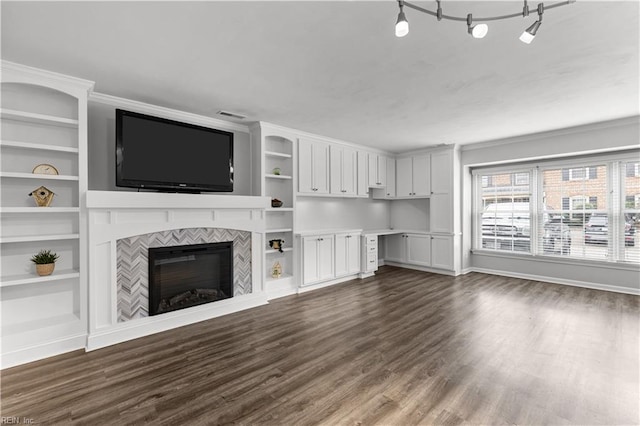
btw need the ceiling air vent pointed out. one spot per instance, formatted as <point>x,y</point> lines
<point>231,115</point>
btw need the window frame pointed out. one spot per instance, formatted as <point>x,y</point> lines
<point>615,204</point>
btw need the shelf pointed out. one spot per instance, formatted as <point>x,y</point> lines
<point>269,250</point>
<point>38,118</point>
<point>272,176</point>
<point>33,278</point>
<point>277,154</point>
<point>30,238</point>
<point>276,231</point>
<point>283,277</point>
<point>38,146</point>
<point>37,176</point>
<point>279,209</point>
<point>40,210</point>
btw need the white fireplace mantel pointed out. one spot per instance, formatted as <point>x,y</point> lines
<point>113,215</point>
<point>134,200</point>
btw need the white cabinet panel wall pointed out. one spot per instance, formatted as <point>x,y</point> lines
<point>317,258</point>
<point>347,254</point>
<point>313,167</point>
<point>425,250</point>
<point>344,166</point>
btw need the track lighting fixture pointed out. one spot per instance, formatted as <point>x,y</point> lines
<point>402,25</point>
<point>479,30</point>
<point>529,34</point>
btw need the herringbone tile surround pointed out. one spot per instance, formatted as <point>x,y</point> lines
<point>133,264</point>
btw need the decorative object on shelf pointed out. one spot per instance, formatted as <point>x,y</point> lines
<point>276,203</point>
<point>276,171</point>
<point>479,30</point>
<point>45,169</point>
<point>43,196</point>
<point>276,270</point>
<point>276,244</point>
<point>45,261</point>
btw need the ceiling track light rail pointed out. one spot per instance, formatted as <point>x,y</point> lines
<point>478,30</point>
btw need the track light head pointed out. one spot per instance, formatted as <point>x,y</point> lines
<point>402,25</point>
<point>530,33</point>
<point>477,31</point>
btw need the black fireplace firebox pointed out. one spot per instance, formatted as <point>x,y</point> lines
<point>190,275</point>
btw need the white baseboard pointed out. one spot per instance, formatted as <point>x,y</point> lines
<point>326,283</point>
<point>134,329</point>
<point>421,268</point>
<point>45,350</point>
<point>553,280</point>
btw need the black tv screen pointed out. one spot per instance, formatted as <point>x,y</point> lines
<point>167,155</point>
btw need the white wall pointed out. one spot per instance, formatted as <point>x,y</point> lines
<point>330,213</point>
<point>102,167</point>
<point>410,214</point>
<point>603,137</point>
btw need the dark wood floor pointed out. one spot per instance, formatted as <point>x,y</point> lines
<point>404,347</point>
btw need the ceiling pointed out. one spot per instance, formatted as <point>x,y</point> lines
<point>336,69</point>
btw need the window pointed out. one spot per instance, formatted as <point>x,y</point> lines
<point>505,219</point>
<point>630,212</point>
<point>563,209</point>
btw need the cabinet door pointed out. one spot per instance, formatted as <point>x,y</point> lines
<point>374,178</point>
<point>395,248</point>
<point>310,260</point>
<point>391,178</point>
<point>363,174</point>
<point>419,249</point>
<point>442,252</point>
<point>441,172</point>
<point>305,166</point>
<point>341,250</point>
<point>337,167</point>
<point>353,253</point>
<point>320,165</point>
<point>349,171</point>
<point>382,171</point>
<point>326,269</point>
<point>404,177</point>
<point>440,215</point>
<point>421,175</point>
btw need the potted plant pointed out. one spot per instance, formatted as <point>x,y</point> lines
<point>45,262</point>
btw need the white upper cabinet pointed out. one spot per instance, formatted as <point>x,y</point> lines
<point>377,170</point>
<point>363,174</point>
<point>441,172</point>
<point>344,165</point>
<point>413,176</point>
<point>313,167</point>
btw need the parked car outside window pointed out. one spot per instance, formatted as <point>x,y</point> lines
<point>596,231</point>
<point>507,227</point>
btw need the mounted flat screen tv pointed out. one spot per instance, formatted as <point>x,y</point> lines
<point>171,156</point>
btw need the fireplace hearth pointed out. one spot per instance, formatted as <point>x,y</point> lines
<point>184,276</point>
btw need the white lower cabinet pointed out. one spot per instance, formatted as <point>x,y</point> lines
<point>433,251</point>
<point>347,254</point>
<point>317,258</point>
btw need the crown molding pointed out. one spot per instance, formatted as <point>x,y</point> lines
<point>584,128</point>
<point>164,112</point>
<point>18,73</point>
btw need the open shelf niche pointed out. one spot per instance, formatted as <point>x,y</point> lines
<point>276,151</point>
<point>43,121</point>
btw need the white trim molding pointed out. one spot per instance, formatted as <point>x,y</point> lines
<point>561,281</point>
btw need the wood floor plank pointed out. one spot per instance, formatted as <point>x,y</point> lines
<point>401,348</point>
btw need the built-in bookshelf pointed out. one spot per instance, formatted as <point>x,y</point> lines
<point>43,121</point>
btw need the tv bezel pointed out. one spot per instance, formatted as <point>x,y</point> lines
<point>164,185</point>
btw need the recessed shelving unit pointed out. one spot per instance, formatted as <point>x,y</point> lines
<point>43,121</point>
<point>276,157</point>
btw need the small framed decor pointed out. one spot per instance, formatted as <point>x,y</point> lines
<point>45,169</point>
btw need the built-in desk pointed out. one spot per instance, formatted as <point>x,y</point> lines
<point>409,248</point>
